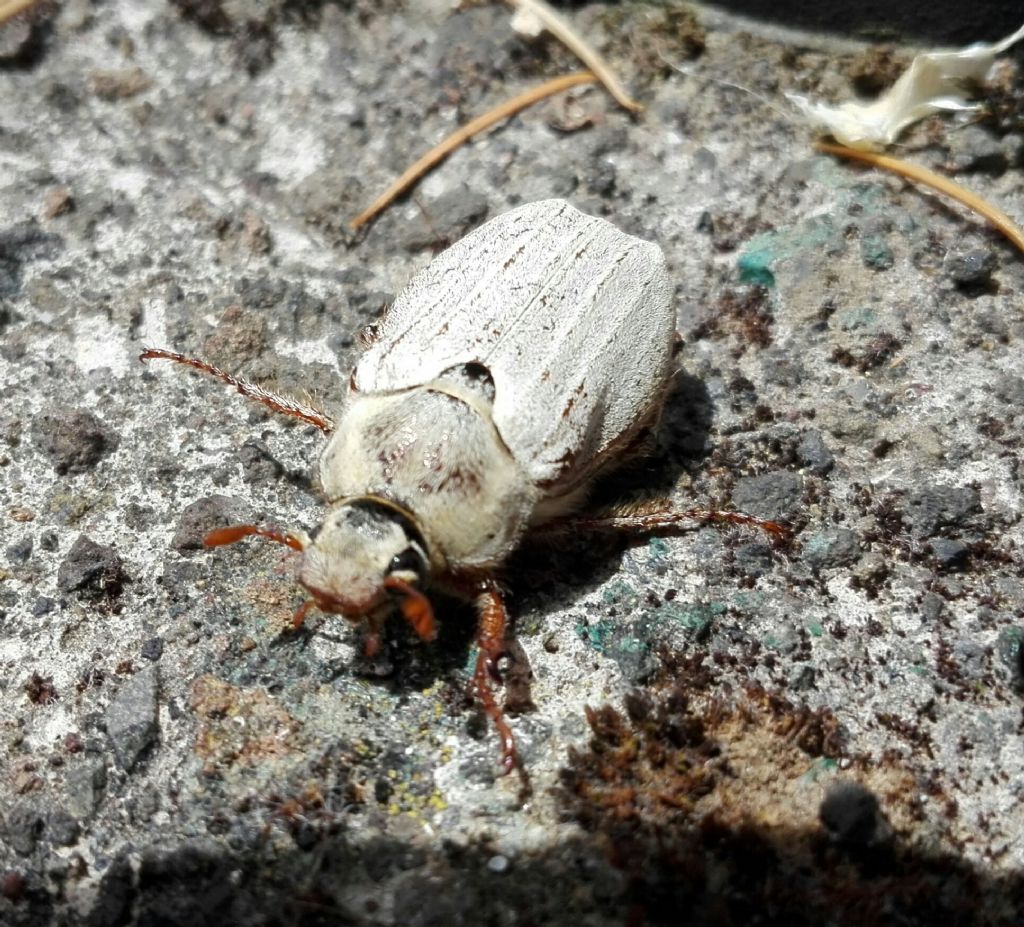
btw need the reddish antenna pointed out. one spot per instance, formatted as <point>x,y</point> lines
<point>284,405</point>
<point>233,533</point>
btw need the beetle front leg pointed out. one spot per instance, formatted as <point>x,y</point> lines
<point>490,641</point>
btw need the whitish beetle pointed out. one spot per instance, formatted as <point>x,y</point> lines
<point>524,361</point>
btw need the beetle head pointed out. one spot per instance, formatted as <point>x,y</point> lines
<point>367,556</point>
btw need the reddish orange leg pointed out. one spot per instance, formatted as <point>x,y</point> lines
<point>234,533</point>
<point>300,613</point>
<point>415,608</point>
<point>282,404</point>
<point>490,641</point>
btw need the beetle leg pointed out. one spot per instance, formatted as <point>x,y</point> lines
<point>647,520</point>
<point>282,404</point>
<point>415,607</point>
<point>490,641</point>
<point>300,613</point>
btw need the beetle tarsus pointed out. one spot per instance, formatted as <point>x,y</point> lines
<point>415,607</point>
<point>509,757</point>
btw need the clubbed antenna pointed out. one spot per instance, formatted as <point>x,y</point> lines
<point>221,536</point>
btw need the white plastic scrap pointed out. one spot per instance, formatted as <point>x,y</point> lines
<point>527,23</point>
<point>933,82</point>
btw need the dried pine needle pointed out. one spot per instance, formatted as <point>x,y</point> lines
<point>996,217</point>
<point>439,152</point>
<point>561,30</point>
<point>11,8</point>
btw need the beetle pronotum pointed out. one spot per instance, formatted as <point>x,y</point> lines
<point>528,358</point>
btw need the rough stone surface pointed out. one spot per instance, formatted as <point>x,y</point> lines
<point>935,507</point>
<point>23,826</point>
<point>970,268</point>
<point>259,466</point>
<point>770,495</point>
<point>832,549</point>
<point>84,785</point>
<point>814,453</point>
<point>203,516</point>
<point>75,441</point>
<point>974,150</point>
<point>91,571</point>
<point>182,175</point>
<point>131,718</point>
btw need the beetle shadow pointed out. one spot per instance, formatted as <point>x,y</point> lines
<point>407,663</point>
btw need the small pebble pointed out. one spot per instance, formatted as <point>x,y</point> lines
<point>813,453</point>
<point>91,570</point>
<point>769,495</point>
<point>851,815</point>
<point>1010,647</point>
<point>498,863</point>
<point>969,268</point>
<point>74,440</point>
<point>950,555</point>
<point>153,648</point>
<point>19,551</point>
<point>43,606</point>
<point>975,150</point>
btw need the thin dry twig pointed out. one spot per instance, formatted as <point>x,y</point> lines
<point>572,40</point>
<point>441,151</point>
<point>996,217</point>
<point>11,8</point>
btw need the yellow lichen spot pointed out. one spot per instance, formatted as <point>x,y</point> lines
<point>437,802</point>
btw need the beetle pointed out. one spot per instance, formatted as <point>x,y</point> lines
<point>525,360</point>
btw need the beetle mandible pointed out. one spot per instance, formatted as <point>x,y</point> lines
<point>521,363</point>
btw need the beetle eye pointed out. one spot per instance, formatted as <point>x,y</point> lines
<point>408,561</point>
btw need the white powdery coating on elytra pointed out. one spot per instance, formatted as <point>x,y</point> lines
<point>572,318</point>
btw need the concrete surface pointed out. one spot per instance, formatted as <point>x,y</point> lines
<point>722,732</point>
